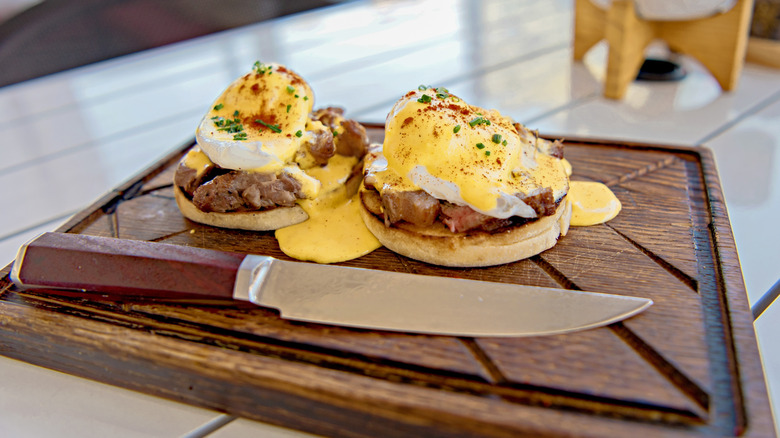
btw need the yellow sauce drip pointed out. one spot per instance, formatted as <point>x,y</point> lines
<point>196,159</point>
<point>334,231</point>
<point>592,203</point>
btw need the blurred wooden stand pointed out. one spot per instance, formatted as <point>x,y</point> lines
<point>763,51</point>
<point>718,41</point>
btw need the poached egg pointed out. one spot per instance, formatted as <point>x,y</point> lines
<point>261,123</point>
<point>436,142</point>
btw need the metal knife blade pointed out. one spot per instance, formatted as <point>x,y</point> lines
<point>326,294</point>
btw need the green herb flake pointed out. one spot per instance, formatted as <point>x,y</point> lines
<point>230,126</point>
<point>456,129</point>
<point>240,136</point>
<point>274,128</point>
<point>235,113</point>
<point>480,146</point>
<point>305,97</point>
<point>290,89</point>
<point>218,107</point>
<point>496,138</point>
<point>261,69</point>
<point>298,133</point>
<point>503,142</point>
<point>479,121</point>
<point>288,108</point>
<point>424,99</point>
<point>487,153</point>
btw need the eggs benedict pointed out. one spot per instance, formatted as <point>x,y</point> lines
<point>458,185</point>
<point>258,149</point>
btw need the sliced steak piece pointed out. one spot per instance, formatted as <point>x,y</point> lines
<point>219,195</point>
<point>241,191</point>
<point>188,179</point>
<point>321,145</point>
<point>462,218</point>
<point>552,148</point>
<point>416,207</point>
<point>543,202</point>
<point>329,116</point>
<point>353,141</point>
<point>281,191</point>
<point>372,201</point>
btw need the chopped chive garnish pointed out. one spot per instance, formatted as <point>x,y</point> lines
<point>487,153</point>
<point>235,113</point>
<point>424,99</point>
<point>288,108</point>
<point>240,136</point>
<point>305,97</point>
<point>496,138</point>
<point>456,129</point>
<point>503,142</point>
<point>274,128</point>
<point>298,133</point>
<point>218,107</point>
<point>422,87</point>
<point>290,89</point>
<point>335,133</point>
<point>479,121</point>
<point>442,93</point>
<point>480,146</point>
<point>261,68</point>
<point>228,125</point>
<point>296,96</point>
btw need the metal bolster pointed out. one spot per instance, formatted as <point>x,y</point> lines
<point>251,275</point>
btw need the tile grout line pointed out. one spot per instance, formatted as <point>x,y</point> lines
<point>567,106</point>
<point>767,299</point>
<point>163,81</point>
<point>748,113</point>
<point>88,144</point>
<point>210,426</point>
<point>39,224</point>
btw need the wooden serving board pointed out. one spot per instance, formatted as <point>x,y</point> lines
<point>688,366</point>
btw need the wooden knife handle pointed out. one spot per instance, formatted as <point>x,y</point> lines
<point>125,267</point>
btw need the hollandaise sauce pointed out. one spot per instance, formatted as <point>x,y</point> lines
<point>592,203</point>
<point>196,159</point>
<point>334,231</point>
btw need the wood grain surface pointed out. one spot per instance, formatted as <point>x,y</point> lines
<point>688,366</point>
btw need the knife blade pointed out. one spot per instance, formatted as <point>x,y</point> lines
<point>325,294</point>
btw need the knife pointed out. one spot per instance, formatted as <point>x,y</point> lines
<point>326,294</point>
